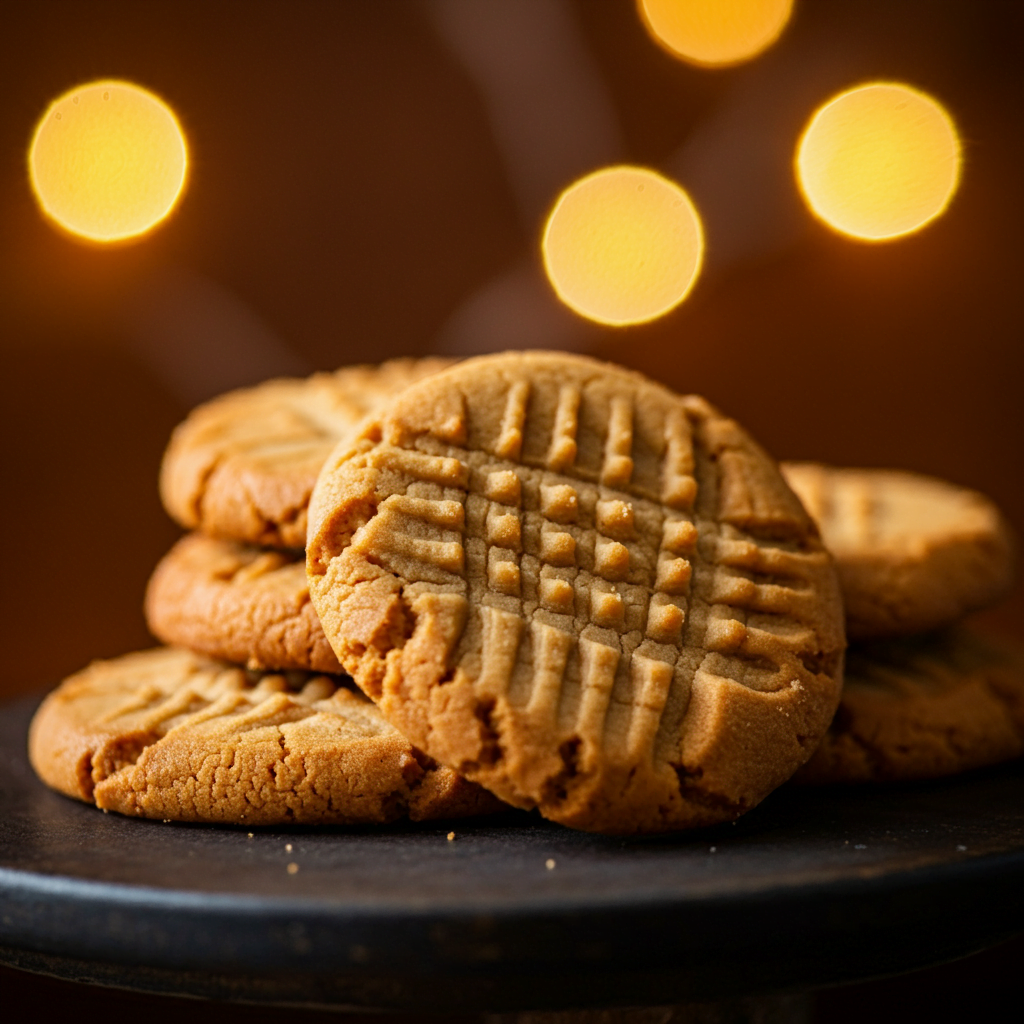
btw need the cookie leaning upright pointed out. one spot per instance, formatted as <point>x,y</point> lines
<point>581,590</point>
<point>242,466</point>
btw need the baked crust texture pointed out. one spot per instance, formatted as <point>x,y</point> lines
<point>923,707</point>
<point>168,734</point>
<point>238,603</point>
<point>587,593</point>
<point>913,553</point>
<point>243,465</point>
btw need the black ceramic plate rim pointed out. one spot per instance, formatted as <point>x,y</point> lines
<point>867,880</point>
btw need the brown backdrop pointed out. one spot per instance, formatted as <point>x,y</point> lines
<point>350,193</point>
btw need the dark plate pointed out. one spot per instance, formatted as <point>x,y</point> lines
<point>813,887</point>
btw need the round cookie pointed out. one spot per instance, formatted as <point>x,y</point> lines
<point>167,734</point>
<point>243,465</point>
<point>587,593</point>
<point>913,553</point>
<point>238,603</point>
<point>923,707</point>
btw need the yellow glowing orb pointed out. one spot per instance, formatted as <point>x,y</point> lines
<point>879,161</point>
<point>715,32</point>
<point>623,245</point>
<point>108,161</point>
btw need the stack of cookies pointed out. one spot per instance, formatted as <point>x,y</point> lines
<point>245,718</point>
<point>530,579</point>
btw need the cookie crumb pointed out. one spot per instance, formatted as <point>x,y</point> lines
<point>293,868</point>
<point>550,863</point>
<point>451,836</point>
<point>250,835</point>
<point>287,847</point>
<point>167,821</point>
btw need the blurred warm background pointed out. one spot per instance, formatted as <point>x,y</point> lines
<point>371,179</point>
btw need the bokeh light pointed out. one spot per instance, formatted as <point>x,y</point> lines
<point>715,33</point>
<point>623,245</point>
<point>879,161</point>
<point>108,161</point>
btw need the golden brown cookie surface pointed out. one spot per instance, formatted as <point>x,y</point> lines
<point>587,593</point>
<point>242,466</point>
<point>923,707</point>
<point>238,603</point>
<point>913,553</point>
<point>168,734</point>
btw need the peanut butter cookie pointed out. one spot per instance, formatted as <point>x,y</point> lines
<point>587,593</point>
<point>242,466</point>
<point>913,553</point>
<point>239,603</point>
<point>168,734</point>
<point>922,707</point>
